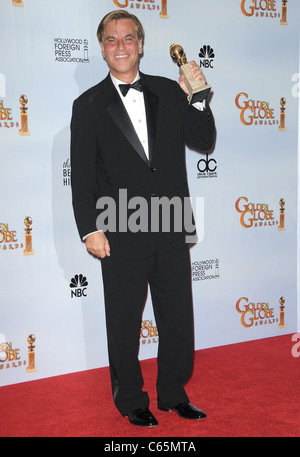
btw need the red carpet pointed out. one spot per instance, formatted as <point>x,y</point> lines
<point>247,390</point>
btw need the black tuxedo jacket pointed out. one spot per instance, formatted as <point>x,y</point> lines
<point>106,156</point>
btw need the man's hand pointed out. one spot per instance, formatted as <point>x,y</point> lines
<point>97,244</point>
<point>197,75</point>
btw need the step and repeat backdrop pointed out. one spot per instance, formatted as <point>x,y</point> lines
<point>244,192</point>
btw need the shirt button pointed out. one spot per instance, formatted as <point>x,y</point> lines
<point>153,169</point>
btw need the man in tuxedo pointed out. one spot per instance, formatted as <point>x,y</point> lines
<point>132,139</point>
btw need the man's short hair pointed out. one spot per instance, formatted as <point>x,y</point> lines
<point>116,16</point>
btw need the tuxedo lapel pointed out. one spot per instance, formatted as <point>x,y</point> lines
<point>151,107</point>
<point>117,111</point>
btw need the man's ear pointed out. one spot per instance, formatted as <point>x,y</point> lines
<point>102,50</point>
<point>141,47</point>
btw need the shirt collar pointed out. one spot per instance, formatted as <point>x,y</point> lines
<point>116,81</point>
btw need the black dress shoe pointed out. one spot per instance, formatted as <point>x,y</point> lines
<point>142,417</point>
<point>187,411</point>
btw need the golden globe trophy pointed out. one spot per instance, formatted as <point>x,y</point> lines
<point>164,10</point>
<point>283,20</point>
<point>282,115</point>
<point>18,3</point>
<point>281,215</point>
<point>28,237</point>
<point>31,354</point>
<point>24,115</point>
<point>281,313</point>
<point>197,90</point>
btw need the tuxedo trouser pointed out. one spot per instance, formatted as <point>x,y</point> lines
<point>168,274</point>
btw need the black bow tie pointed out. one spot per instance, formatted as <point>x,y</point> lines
<point>124,88</point>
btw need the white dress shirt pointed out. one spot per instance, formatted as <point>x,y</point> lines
<point>135,107</point>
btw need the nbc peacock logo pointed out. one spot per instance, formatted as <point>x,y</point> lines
<point>78,286</point>
<point>207,56</point>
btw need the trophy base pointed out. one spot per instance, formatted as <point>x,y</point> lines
<point>282,129</point>
<point>199,96</point>
<point>24,133</point>
<point>28,252</point>
<point>30,370</point>
<point>281,229</point>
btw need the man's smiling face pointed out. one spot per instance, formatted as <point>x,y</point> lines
<point>121,49</point>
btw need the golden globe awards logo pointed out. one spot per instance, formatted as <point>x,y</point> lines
<point>255,214</point>
<point>259,8</point>
<point>148,5</point>
<point>18,3</point>
<point>9,356</point>
<point>255,314</point>
<point>8,238</point>
<point>6,117</point>
<point>148,333</point>
<point>255,112</point>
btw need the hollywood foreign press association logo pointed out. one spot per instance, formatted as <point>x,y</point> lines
<point>71,50</point>
<point>205,269</point>
<point>78,286</point>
